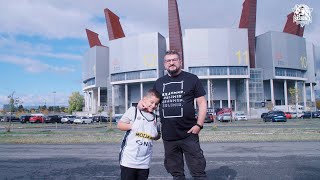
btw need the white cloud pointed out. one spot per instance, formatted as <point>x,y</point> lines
<point>58,99</point>
<point>34,66</point>
<point>9,45</point>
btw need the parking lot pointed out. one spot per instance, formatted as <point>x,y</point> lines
<point>253,130</point>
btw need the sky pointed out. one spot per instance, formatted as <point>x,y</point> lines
<point>42,42</point>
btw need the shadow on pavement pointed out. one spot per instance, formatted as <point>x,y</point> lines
<point>224,172</point>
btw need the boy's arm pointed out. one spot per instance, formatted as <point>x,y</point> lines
<point>124,126</point>
<point>125,123</point>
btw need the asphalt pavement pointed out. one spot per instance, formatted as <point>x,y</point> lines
<point>268,160</point>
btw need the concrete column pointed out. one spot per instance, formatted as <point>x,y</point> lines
<point>229,96</point>
<point>112,99</point>
<point>220,103</point>
<point>141,90</point>
<point>312,93</point>
<point>99,103</point>
<point>209,93</point>
<point>92,102</point>
<point>304,95</point>
<point>126,96</point>
<point>285,90</point>
<point>85,100</point>
<point>247,96</point>
<point>297,92</point>
<point>272,92</point>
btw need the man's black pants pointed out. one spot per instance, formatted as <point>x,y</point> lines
<point>190,149</point>
<point>134,174</point>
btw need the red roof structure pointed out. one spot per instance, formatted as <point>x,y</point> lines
<point>248,20</point>
<point>113,25</point>
<point>293,28</point>
<point>93,38</point>
<point>175,34</point>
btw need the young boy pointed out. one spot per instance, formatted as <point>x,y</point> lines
<point>142,128</point>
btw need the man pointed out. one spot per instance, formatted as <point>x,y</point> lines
<point>180,128</point>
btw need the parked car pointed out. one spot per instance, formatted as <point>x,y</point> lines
<point>296,115</point>
<point>308,114</point>
<point>226,117</point>
<point>263,114</point>
<point>116,117</point>
<point>219,117</point>
<point>240,115</point>
<point>12,118</point>
<point>275,116</point>
<point>288,115</point>
<point>82,120</point>
<point>52,119</point>
<point>100,119</point>
<point>36,119</point>
<point>68,119</point>
<point>208,119</point>
<point>317,114</point>
<point>25,118</point>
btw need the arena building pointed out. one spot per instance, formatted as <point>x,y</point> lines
<point>238,69</point>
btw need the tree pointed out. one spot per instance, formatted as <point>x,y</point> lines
<point>318,104</point>
<point>76,101</point>
<point>110,115</point>
<point>294,97</point>
<point>13,102</point>
<point>212,103</point>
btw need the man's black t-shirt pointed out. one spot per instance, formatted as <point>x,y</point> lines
<point>177,104</point>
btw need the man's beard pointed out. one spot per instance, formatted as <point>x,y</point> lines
<point>173,72</point>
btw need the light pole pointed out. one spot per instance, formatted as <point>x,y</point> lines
<point>54,100</point>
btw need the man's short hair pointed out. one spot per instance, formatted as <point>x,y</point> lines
<point>172,52</point>
<point>153,92</point>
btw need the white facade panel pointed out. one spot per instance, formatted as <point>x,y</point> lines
<point>264,55</point>
<point>216,47</point>
<point>288,51</point>
<point>311,63</point>
<point>101,68</point>
<point>95,66</point>
<point>135,53</point>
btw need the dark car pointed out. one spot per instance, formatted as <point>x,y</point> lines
<point>52,119</point>
<point>209,118</point>
<point>263,114</point>
<point>275,116</point>
<point>12,118</point>
<point>307,114</point>
<point>100,119</point>
<point>25,118</point>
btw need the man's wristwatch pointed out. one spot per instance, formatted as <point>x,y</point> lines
<point>201,127</point>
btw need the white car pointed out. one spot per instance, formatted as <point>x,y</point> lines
<point>82,120</point>
<point>68,119</point>
<point>226,117</point>
<point>240,115</point>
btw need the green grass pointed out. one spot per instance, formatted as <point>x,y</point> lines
<point>251,131</point>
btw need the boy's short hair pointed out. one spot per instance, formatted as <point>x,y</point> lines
<point>153,92</point>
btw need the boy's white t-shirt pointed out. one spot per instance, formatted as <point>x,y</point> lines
<point>136,147</point>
